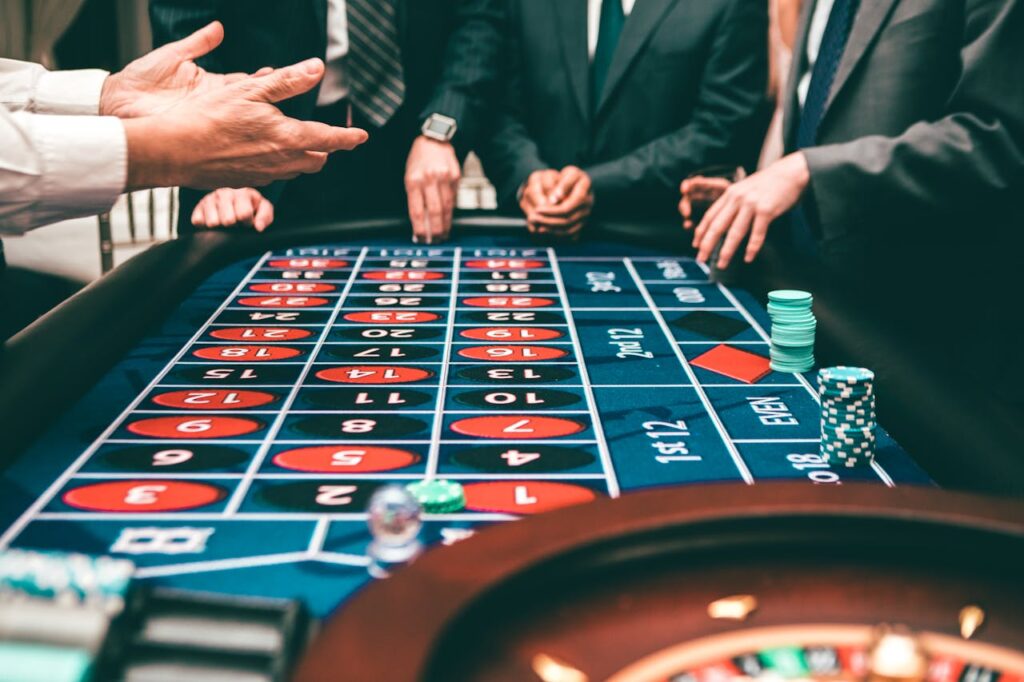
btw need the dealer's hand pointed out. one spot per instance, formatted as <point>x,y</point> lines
<point>560,207</point>
<point>228,207</point>
<point>432,175</point>
<point>234,136</point>
<point>750,206</point>
<point>157,81</point>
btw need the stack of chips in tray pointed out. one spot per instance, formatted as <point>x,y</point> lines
<point>58,614</point>
<point>847,415</point>
<point>793,327</point>
<point>67,617</point>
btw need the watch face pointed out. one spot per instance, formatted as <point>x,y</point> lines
<point>438,126</point>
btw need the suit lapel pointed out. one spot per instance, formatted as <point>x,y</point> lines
<point>571,32</point>
<point>641,24</point>
<point>869,21</point>
<point>791,103</point>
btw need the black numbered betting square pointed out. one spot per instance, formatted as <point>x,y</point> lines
<point>711,324</point>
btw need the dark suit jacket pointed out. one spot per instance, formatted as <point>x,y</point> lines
<point>686,90</point>
<point>922,140</point>
<point>919,171</point>
<point>449,56</point>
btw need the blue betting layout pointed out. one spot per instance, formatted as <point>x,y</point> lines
<point>235,450</point>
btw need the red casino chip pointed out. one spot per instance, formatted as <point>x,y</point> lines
<point>173,428</point>
<point>309,263</point>
<point>391,317</point>
<point>508,302</point>
<point>403,275</point>
<point>261,334</point>
<point>511,334</point>
<point>292,288</point>
<point>246,353</point>
<point>513,353</point>
<point>517,427</point>
<point>524,497</point>
<point>214,399</point>
<point>504,264</point>
<point>355,459</point>
<point>374,374</point>
<point>143,496</point>
<point>283,301</point>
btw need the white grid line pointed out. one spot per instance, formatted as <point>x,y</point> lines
<point>257,461</point>
<point>734,452</point>
<point>595,419</point>
<point>434,453</point>
<point>15,529</point>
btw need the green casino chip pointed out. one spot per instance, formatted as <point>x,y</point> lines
<point>438,496</point>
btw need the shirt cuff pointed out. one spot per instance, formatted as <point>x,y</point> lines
<point>85,162</point>
<point>74,93</point>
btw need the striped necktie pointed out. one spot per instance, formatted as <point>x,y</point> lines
<point>374,62</point>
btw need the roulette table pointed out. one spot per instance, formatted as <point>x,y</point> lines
<point>221,409</point>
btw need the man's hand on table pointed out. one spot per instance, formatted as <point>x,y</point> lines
<point>557,203</point>
<point>749,207</point>
<point>432,175</point>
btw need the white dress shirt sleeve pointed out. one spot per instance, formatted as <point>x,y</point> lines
<point>58,158</point>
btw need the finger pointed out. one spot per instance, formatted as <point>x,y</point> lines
<point>578,194</point>
<point>709,217</point>
<point>715,231</point>
<point>202,42</point>
<point>566,182</point>
<point>535,194</point>
<point>287,82</point>
<point>245,207</point>
<point>734,237</point>
<point>311,162</point>
<point>447,209</point>
<point>562,220</point>
<point>432,196</point>
<point>264,215</point>
<point>686,210</point>
<point>199,215</point>
<point>325,138</point>
<point>417,214</point>
<point>226,207</point>
<point>209,204</point>
<point>757,237</point>
<point>264,71</point>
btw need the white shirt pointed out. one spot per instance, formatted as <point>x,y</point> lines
<point>58,158</point>
<point>815,34</point>
<point>594,21</point>
<point>333,87</point>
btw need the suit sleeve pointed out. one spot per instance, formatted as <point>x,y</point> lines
<point>507,151</point>
<point>470,73</point>
<point>973,156</point>
<point>725,121</point>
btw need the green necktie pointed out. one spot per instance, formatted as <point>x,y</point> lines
<point>609,30</point>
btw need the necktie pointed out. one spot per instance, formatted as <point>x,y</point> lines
<point>608,32</point>
<point>374,61</point>
<point>833,44</point>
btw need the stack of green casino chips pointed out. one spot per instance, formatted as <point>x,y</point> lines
<point>847,415</point>
<point>437,496</point>
<point>793,327</point>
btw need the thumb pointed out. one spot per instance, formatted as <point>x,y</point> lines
<point>288,81</point>
<point>202,42</point>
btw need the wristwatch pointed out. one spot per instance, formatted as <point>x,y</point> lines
<point>440,127</point>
